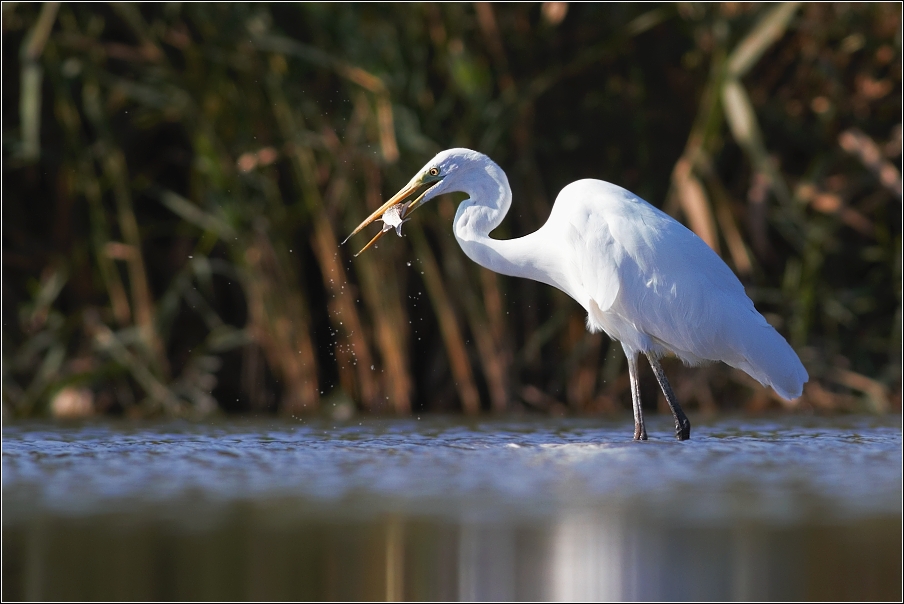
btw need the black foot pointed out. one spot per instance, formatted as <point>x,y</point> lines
<point>640,432</point>
<point>682,429</point>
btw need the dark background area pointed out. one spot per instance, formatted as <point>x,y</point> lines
<point>177,179</point>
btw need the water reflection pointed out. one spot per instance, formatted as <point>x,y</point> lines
<point>491,511</point>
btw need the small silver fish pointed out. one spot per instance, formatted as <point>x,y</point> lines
<point>392,218</point>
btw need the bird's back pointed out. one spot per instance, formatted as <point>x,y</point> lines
<point>651,283</point>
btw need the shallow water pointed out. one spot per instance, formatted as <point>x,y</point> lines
<point>443,508</point>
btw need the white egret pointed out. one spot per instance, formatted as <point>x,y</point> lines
<point>643,277</point>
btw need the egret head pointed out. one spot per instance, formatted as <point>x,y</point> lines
<point>439,175</point>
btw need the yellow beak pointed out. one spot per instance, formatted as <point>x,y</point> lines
<point>415,190</point>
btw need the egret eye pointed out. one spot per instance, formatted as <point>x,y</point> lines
<point>433,172</point>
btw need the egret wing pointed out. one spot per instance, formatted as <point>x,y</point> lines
<point>579,234</point>
<point>676,290</point>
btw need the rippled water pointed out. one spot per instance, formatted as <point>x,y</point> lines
<point>441,508</point>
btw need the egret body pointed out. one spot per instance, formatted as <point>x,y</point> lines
<point>643,277</point>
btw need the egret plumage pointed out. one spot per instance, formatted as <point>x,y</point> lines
<point>644,278</point>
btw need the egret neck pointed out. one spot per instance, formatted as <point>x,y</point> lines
<point>489,199</point>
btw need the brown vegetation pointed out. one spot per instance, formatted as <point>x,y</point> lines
<point>177,178</point>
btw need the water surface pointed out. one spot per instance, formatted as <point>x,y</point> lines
<point>443,508</point>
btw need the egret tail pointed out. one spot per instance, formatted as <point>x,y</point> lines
<point>763,354</point>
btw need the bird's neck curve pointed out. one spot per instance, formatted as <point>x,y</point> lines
<point>489,199</point>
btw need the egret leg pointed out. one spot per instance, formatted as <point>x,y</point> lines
<point>640,433</point>
<point>682,424</point>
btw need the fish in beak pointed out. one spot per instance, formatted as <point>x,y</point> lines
<point>397,211</point>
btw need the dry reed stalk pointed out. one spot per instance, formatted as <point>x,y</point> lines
<point>279,323</point>
<point>695,204</point>
<point>491,361</point>
<point>114,168</point>
<point>451,332</point>
<point>492,298</point>
<point>381,294</point>
<point>740,255</point>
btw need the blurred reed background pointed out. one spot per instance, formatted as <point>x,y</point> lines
<point>177,179</point>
